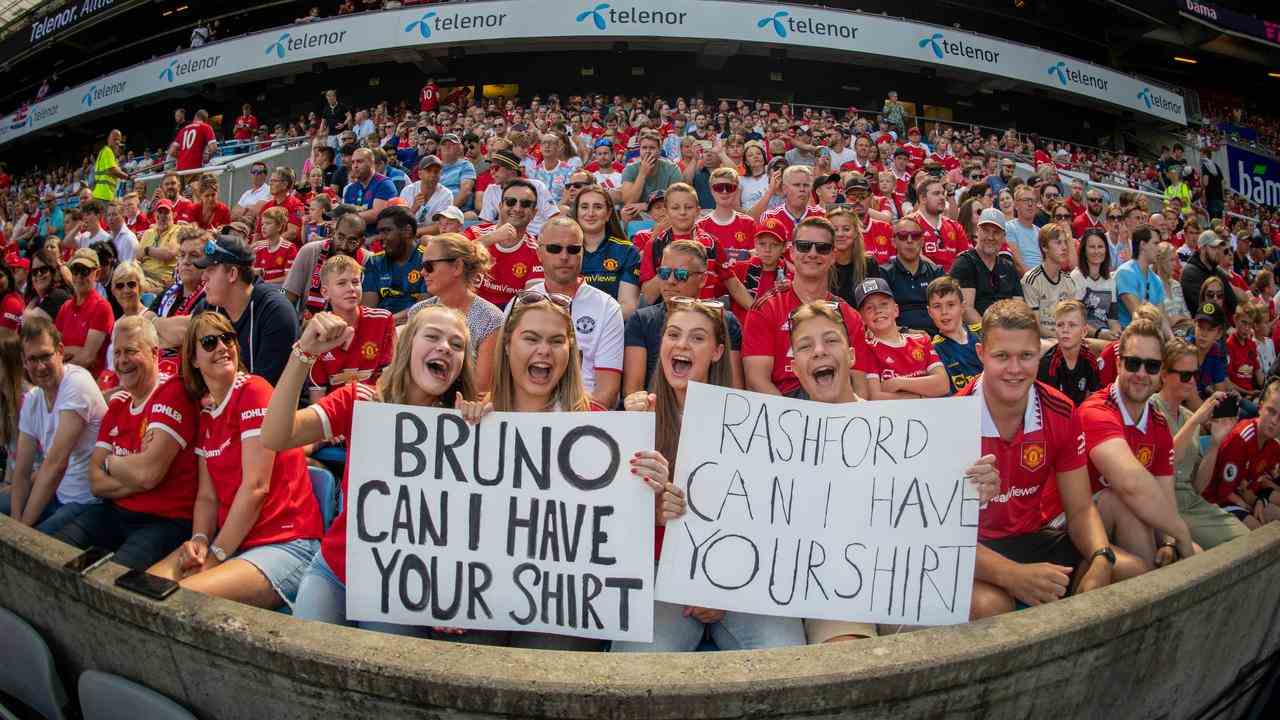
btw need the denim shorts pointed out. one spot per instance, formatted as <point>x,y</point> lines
<point>283,564</point>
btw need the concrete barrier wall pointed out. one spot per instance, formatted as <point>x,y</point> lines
<point>1183,642</point>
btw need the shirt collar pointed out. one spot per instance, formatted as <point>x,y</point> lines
<point>1031,417</point>
<point>1114,390</point>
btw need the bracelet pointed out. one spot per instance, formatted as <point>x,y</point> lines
<point>201,535</point>
<point>302,356</point>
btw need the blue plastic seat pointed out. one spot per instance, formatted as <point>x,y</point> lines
<point>29,674</point>
<point>636,226</point>
<point>325,489</point>
<point>104,696</point>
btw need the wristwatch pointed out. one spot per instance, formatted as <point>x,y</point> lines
<point>222,554</point>
<point>1106,552</point>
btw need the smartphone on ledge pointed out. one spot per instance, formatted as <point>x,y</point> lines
<point>88,560</point>
<point>147,585</point>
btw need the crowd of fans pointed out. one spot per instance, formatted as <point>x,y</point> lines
<point>173,364</point>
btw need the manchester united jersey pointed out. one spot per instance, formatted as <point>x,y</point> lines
<point>914,357</point>
<point>274,264</point>
<point>1103,417</point>
<point>513,269</point>
<point>1242,463</point>
<point>942,244</point>
<point>1048,444</point>
<point>167,409</point>
<point>877,241</point>
<point>363,359</point>
<point>737,236</point>
<point>789,221</point>
<point>768,333</point>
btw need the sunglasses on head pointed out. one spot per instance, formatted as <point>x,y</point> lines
<point>512,202</point>
<point>533,297</point>
<point>130,284</point>
<point>681,274</point>
<point>557,248</point>
<point>822,248</point>
<point>1151,365</point>
<point>724,187</point>
<point>210,342</point>
<point>685,302</point>
<point>429,266</point>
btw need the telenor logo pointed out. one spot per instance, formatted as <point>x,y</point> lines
<point>96,93</point>
<point>596,17</point>
<point>433,22</point>
<point>784,24</point>
<point>180,68</point>
<point>421,25</point>
<point>1156,100</point>
<point>167,73</point>
<point>604,14</point>
<point>287,43</point>
<point>1060,69</point>
<point>1068,76</point>
<point>1145,97</point>
<point>776,21</point>
<point>942,47</point>
<point>278,46</point>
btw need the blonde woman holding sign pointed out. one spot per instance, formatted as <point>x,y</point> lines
<point>537,370</point>
<point>431,368</point>
<point>695,343</point>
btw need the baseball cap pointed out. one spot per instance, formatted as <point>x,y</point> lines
<point>429,160</point>
<point>857,182</point>
<point>869,287</point>
<point>655,197</point>
<point>506,159</point>
<point>163,204</point>
<point>1212,313</point>
<point>450,138</point>
<point>1209,238</point>
<point>992,216</point>
<point>237,226</point>
<point>84,256</point>
<point>824,179</point>
<point>14,260</point>
<point>913,130</point>
<point>450,212</point>
<point>603,142</point>
<point>901,151</point>
<point>225,250</point>
<point>771,226</point>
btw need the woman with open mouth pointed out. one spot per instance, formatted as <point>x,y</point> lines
<point>256,525</point>
<point>432,367</point>
<point>695,344</point>
<point>537,370</point>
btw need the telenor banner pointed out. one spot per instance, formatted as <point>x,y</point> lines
<point>1254,176</point>
<point>527,521</point>
<point>853,512</point>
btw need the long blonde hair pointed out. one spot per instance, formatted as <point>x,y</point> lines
<point>568,395</point>
<point>12,380</point>
<point>858,259</point>
<point>393,385</point>
<point>667,408</point>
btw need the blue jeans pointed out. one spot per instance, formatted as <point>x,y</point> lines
<point>323,597</point>
<point>673,632</point>
<point>54,516</point>
<point>138,539</point>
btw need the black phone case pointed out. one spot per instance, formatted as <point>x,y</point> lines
<point>151,586</point>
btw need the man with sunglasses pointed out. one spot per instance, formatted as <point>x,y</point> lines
<point>511,243</point>
<point>1094,214</point>
<point>766,340</point>
<point>251,200</point>
<point>85,320</point>
<point>507,167</point>
<point>909,274</point>
<point>1204,264</point>
<point>1130,452</point>
<point>597,317</point>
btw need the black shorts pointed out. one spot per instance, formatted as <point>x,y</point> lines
<point>1044,545</point>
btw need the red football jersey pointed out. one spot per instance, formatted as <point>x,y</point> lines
<point>195,214</point>
<point>290,511</point>
<point>917,154</point>
<point>768,333</point>
<point>719,267</point>
<point>191,141</point>
<point>736,237</point>
<point>169,410</point>
<point>877,241</point>
<point>140,224</point>
<point>335,411</point>
<point>11,309</point>
<point>942,244</point>
<point>292,206</point>
<point>75,320</point>
<point>429,98</point>
<point>513,269</point>
<point>363,359</point>
<point>245,126</point>
<point>1108,363</point>
<point>1242,463</point>
<point>1242,362</point>
<point>915,357</point>
<point>274,264</point>
<point>1048,444</point>
<point>783,215</point>
<point>1102,417</point>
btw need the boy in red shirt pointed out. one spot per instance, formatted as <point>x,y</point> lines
<point>273,255</point>
<point>1243,370</point>
<point>765,269</point>
<point>903,366</point>
<point>373,340</point>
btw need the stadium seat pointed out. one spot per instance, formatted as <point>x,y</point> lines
<point>29,675</point>
<point>325,489</point>
<point>104,696</point>
<point>636,226</point>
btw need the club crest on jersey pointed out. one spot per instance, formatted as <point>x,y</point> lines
<point>369,350</point>
<point>610,264</point>
<point>519,270</point>
<point>1033,456</point>
<point>1144,455</point>
<point>413,276</point>
<point>917,354</point>
<point>585,325</point>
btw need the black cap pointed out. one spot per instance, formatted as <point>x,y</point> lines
<point>901,151</point>
<point>1212,313</point>
<point>821,180</point>
<point>655,197</point>
<point>869,287</point>
<point>857,182</point>
<point>225,250</point>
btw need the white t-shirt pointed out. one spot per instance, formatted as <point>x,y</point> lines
<point>253,197</point>
<point>840,158</point>
<point>753,188</point>
<point>547,207</point>
<point>1099,298</point>
<point>439,200</point>
<point>126,245</point>
<point>597,323</point>
<point>85,239</point>
<point>79,394</point>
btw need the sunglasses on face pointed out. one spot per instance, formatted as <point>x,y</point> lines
<point>680,274</point>
<point>429,266</point>
<point>1094,200</point>
<point>724,187</point>
<point>575,185</point>
<point>42,270</point>
<point>128,284</point>
<point>1115,218</point>
<point>1184,375</point>
<point>1061,217</point>
<point>975,177</point>
<point>81,270</point>
<point>512,202</point>
<point>1151,365</point>
<point>557,248</point>
<point>911,235</point>
<point>210,342</point>
<point>822,248</point>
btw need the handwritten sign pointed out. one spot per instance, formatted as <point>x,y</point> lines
<point>527,521</point>
<point>845,512</point>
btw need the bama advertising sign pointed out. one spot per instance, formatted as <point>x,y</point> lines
<point>446,25</point>
<point>1222,18</point>
<point>1254,176</point>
